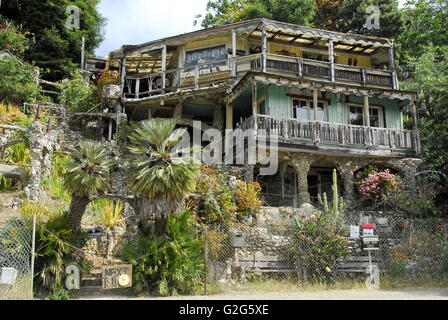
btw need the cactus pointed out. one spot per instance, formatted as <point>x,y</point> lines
<point>337,205</point>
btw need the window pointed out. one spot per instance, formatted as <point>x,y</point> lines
<point>356,116</point>
<point>262,105</point>
<point>205,55</point>
<point>304,110</point>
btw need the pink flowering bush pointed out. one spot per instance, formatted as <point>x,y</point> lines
<point>375,185</point>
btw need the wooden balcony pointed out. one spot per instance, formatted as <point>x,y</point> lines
<point>209,74</point>
<point>334,137</point>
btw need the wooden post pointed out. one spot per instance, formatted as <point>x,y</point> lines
<point>254,105</point>
<point>163,68</point>
<point>315,103</point>
<point>300,67</point>
<point>229,115</point>
<point>331,58</point>
<point>83,49</point>
<point>264,45</point>
<point>414,115</point>
<point>109,138</point>
<point>234,66</point>
<point>137,88</point>
<point>366,117</point>
<point>37,113</point>
<point>196,77</point>
<point>392,66</point>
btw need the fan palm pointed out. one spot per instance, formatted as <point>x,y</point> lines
<point>160,177</point>
<point>87,175</point>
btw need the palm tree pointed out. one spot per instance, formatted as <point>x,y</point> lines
<point>87,175</point>
<point>160,177</point>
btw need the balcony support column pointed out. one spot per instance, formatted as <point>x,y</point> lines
<point>302,165</point>
<point>178,109</point>
<point>254,104</point>
<point>392,67</point>
<point>234,66</point>
<point>229,116</point>
<point>315,103</point>
<point>264,46</point>
<point>366,112</point>
<point>218,121</point>
<point>331,58</point>
<point>163,68</point>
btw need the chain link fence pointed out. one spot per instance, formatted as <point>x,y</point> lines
<point>15,260</point>
<point>319,249</point>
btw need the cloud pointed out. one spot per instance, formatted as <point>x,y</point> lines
<point>139,21</point>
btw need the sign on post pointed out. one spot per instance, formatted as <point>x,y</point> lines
<point>117,276</point>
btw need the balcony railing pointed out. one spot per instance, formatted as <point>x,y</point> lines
<point>290,130</point>
<point>207,74</point>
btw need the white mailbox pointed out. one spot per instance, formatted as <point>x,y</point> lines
<point>8,276</point>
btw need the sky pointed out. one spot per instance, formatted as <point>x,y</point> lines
<point>140,21</point>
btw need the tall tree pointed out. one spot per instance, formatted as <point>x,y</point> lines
<point>336,15</point>
<point>57,49</point>
<point>87,175</point>
<point>227,11</point>
<point>160,178</point>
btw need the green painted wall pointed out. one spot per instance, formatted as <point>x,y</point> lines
<point>279,104</point>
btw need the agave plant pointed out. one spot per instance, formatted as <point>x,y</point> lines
<point>160,177</point>
<point>86,176</point>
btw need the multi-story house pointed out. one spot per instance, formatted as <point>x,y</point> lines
<point>331,100</point>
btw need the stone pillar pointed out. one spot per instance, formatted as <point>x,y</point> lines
<point>347,180</point>
<point>218,119</point>
<point>302,165</point>
<point>177,114</point>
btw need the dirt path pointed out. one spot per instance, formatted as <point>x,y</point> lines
<point>355,294</point>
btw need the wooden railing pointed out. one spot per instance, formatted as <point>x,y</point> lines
<point>317,132</point>
<point>201,75</point>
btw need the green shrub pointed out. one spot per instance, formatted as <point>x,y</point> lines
<point>17,82</point>
<point>60,294</point>
<point>318,244</point>
<point>170,264</point>
<point>55,244</point>
<point>77,94</point>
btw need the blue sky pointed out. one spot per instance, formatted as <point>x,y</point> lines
<point>139,21</point>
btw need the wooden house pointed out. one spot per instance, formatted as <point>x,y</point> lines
<point>331,100</point>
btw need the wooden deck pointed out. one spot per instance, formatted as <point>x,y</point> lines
<point>229,70</point>
<point>335,137</point>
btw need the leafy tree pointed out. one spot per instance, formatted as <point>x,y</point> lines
<point>337,15</point>
<point>57,49</point>
<point>86,176</point>
<point>160,178</point>
<point>77,94</point>
<point>429,78</point>
<point>18,81</point>
<point>226,11</point>
<point>425,24</point>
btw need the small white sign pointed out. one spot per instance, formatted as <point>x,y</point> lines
<point>354,232</point>
<point>367,232</point>
<point>8,276</point>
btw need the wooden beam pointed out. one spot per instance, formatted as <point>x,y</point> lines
<point>315,103</point>
<point>264,47</point>
<point>254,99</point>
<point>331,59</point>
<point>229,116</point>
<point>163,67</point>
<point>366,117</point>
<point>234,71</point>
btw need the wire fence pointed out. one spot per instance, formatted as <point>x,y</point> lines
<point>321,249</point>
<point>15,260</point>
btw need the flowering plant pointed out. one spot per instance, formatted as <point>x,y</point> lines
<point>12,39</point>
<point>375,185</point>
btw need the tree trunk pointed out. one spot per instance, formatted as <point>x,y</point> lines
<point>160,226</point>
<point>77,208</point>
